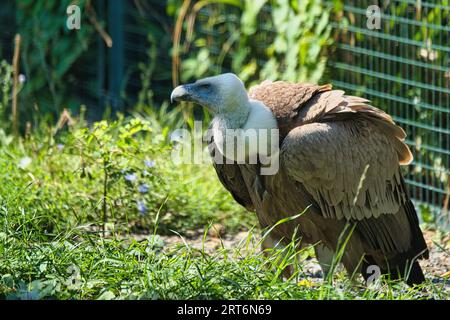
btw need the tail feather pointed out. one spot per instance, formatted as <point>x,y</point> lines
<point>419,244</point>
<point>415,274</point>
<point>398,263</point>
<point>410,272</point>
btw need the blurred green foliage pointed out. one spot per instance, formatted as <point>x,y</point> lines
<point>274,39</point>
<point>49,54</point>
<point>116,175</point>
<point>264,39</point>
<point>6,77</point>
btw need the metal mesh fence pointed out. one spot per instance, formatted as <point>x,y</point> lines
<point>103,77</point>
<point>7,23</point>
<point>147,46</point>
<point>404,68</point>
<point>139,61</point>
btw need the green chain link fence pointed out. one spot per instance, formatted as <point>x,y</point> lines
<point>404,68</point>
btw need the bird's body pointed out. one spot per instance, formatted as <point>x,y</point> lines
<point>338,156</point>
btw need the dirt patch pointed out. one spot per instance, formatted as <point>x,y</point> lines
<point>438,265</point>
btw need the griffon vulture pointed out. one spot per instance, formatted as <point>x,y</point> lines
<point>338,156</point>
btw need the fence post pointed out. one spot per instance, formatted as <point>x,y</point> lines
<point>116,53</point>
<point>101,62</point>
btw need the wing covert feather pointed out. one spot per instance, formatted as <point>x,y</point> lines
<point>349,167</point>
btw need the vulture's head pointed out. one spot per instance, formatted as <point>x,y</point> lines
<point>220,94</point>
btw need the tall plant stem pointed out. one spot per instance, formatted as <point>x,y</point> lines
<point>16,57</point>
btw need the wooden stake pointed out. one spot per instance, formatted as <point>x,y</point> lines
<point>15,117</point>
<point>176,41</point>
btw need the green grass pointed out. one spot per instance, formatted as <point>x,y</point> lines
<point>118,173</point>
<point>72,201</point>
<point>71,267</point>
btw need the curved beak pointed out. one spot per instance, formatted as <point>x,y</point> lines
<point>181,93</point>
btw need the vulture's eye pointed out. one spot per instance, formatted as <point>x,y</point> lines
<point>205,86</point>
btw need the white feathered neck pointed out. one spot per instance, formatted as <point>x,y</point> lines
<point>253,115</point>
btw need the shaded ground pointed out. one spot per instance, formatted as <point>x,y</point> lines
<point>437,267</point>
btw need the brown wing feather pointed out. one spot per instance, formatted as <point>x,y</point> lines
<point>286,99</point>
<point>347,153</point>
<point>231,178</point>
<point>350,167</point>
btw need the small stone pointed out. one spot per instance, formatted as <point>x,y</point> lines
<point>217,230</point>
